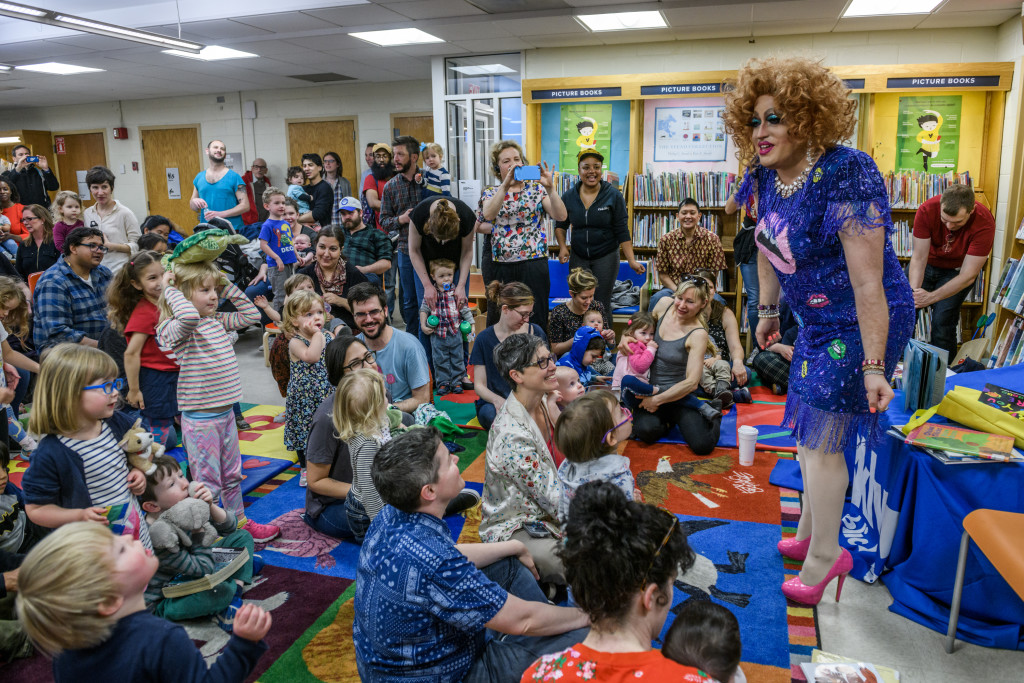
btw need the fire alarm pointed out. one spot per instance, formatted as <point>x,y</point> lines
<point>120,133</point>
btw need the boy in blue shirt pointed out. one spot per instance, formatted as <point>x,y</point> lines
<point>276,242</point>
<point>81,600</point>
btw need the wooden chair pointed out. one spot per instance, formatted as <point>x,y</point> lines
<point>271,330</point>
<point>477,293</point>
<point>998,536</point>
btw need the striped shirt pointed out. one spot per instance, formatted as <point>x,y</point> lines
<point>362,450</point>
<point>106,477</point>
<point>209,369</point>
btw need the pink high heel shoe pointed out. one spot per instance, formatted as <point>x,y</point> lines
<point>794,549</point>
<point>795,590</point>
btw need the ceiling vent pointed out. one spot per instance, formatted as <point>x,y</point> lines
<point>322,78</point>
<point>510,6</point>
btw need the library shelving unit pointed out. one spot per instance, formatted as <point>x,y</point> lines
<point>878,89</point>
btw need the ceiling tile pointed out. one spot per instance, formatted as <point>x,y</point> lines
<point>792,27</point>
<point>559,40</point>
<point>430,50</point>
<point>87,41</point>
<point>285,22</point>
<point>221,29</point>
<point>904,21</point>
<point>509,44</point>
<point>41,50</point>
<point>645,36</point>
<point>980,5</point>
<point>993,17</point>
<point>587,4</point>
<point>359,15</point>
<point>736,30</point>
<point>799,10</point>
<point>709,16</point>
<point>434,9</point>
<point>333,41</point>
<point>543,26</point>
<point>470,29</point>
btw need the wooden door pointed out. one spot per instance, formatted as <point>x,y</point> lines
<point>171,148</point>
<point>420,127</point>
<point>320,137</point>
<point>83,151</point>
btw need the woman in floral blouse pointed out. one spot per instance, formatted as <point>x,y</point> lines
<point>514,211</point>
<point>621,559</point>
<point>521,488</point>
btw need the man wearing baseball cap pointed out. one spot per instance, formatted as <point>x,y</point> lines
<point>369,250</point>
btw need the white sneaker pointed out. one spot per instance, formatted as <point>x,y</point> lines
<point>302,477</point>
<point>28,445</point>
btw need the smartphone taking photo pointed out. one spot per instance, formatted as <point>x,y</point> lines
<point>527,173</point>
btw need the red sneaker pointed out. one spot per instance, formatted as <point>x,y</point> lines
<point>261,533</point>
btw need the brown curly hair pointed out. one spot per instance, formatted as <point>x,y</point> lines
<point>813,101</point>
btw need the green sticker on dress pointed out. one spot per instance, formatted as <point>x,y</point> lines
<point>837,349</point>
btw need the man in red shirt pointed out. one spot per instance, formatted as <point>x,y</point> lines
<point>953,237</point>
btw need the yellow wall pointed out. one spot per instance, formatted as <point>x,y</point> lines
<point>972,129</point>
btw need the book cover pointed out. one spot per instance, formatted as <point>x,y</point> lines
<point>228,561</point>
<point>1014,330</point>
<point>998,344</point>
<point>1003,399</point>
<point>840,672</point>
<point>1004,287</point>
<point>960,440</point>
<point>887,674</point>
<point>1002,280</point>
<point>1015,290</point>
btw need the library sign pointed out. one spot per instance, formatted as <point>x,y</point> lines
<point>944,82</point>
<point>575,93</point>
<point>682,89</point>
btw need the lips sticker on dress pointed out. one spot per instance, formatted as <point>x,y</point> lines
<point>818,301</point>
<point>772,238</point>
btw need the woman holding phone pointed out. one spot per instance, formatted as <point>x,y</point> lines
<point>511,212</point>
<point>597,213</point>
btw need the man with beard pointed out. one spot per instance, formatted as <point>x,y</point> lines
<point>257,180</point>
<point>381,171</point>
<point>400,197</point>
<point>219,192</point>
<point>399,355</point>
<point>367,249</point>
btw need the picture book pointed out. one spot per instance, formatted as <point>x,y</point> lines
<point>952,458</point>
<point>228,561</point>
<point>840,672</point>
<point>959,440</point>
<point>924,375</point>
<point>1008,401</point>
<point>886,674</point>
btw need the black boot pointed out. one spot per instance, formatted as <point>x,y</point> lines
<point>723,392</point>
<point>711,410</point>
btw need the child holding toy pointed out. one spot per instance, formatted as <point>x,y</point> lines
<point>209,383</point>
<point>79,472</point>
<point>152,375</point>
<point>166,487</point>
<point>442,322</point>
<point>81,598</point>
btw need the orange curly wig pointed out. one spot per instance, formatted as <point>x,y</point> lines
<point>814,103</point>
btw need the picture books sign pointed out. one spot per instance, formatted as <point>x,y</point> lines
<point>689,134</point>
<point>928,134</point>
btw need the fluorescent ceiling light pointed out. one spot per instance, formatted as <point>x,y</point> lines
<point>398,36</point>
<point>5,67</point>
<point>212,53</point>
<point>874,8</point>
<point>483,69</point>
<point>116,31</point>
<point>57,68</point>
<point>9,140</point>
<point>14,10</point>
<point>622,21</point>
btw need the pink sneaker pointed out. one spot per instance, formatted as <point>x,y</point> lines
<point>261,533</point>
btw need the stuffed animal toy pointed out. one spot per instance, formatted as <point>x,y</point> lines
<point>185,523</point>
<point>141,447</point>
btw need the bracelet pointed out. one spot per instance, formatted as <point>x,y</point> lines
<point>873,371</point>
<point>873,363</point>
<point>767,314</point>
<point>768,307</point>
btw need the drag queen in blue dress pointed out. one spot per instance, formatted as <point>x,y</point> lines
<point>824,238</point>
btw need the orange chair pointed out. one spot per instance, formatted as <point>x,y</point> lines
<point>271,330</point>
<point>477,292</point>
<point>998,536</point>
<point>32,280</point>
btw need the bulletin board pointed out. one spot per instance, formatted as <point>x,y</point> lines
<point>669,127</point>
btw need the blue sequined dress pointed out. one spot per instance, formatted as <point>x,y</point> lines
<point>827,404</point>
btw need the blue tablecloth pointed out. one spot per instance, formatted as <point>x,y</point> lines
<point>905,517</point>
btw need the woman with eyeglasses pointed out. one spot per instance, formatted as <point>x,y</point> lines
<point>36,252</point>
<point>567,317</point>
<point>521,487</point>
<point>621,559</point>
<point>824,235</point>
<point>682,338</point>
<point>515,301</point>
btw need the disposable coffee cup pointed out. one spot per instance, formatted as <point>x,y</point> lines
<point>747,442</point>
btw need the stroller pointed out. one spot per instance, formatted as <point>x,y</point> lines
<point>234,262</point>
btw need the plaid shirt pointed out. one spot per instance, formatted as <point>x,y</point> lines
<point>367,246</point>
<point>675,257</point>
<point>66,308</point>
<point>342,188</point>
<point>400,195</point>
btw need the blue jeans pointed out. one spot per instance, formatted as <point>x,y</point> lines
<point>485,413</point>
<point>425,338</point>
<point>10,246</point>
<point>751,285</point>
<point>358,520</point>
<point>407,283</point>
<point>260,289</point>
<point>20,391</point>
<point>332,520</point>
<point>506,657</point>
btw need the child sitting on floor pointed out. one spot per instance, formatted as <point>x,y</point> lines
<point>706,635</point>
<point>632,371</point>
<point>81,600</point>
<point>165,488</point>
<point>445,336</point>
<point>587,346</point>
<point>587,434</point>
<point>601,366</point>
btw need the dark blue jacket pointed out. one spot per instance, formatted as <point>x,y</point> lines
<point>598,230</point>
<point>56,474</point>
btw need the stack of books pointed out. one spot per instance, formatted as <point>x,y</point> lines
<point>649,228</point>
<point>903,238</point>
<point>1010,291</point>
<point>671,187</point>
<point>1008,348</point>
<point>910,189</point>
<point>958,446</point>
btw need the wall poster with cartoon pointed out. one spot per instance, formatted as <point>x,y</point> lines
<point>928,134</point>
<point>584,126</point>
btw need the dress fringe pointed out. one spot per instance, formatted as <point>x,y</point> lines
<point>814,428</point>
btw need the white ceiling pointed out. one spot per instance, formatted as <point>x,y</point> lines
<point>312,38</point>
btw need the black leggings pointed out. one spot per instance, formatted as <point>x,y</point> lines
<point>700,435</point>
<point>535,275</point>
